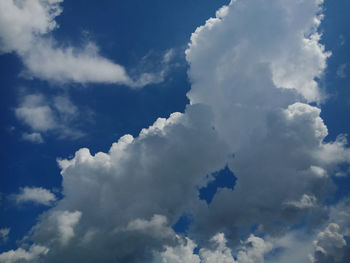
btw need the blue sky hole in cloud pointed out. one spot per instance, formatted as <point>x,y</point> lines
<point>222,179</point>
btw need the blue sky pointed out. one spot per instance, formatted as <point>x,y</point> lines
<point>236,121</point>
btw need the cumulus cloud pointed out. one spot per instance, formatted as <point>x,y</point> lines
<point>252,69</point>
<point>251,251</point>
<point>277,138</point>
<point>44,116</point>
<point>329,245</point>
<point>25,28</point>
<point>22,255</point>
<point>221,253</point>
<point>37,195</point>
<point>178,254</point>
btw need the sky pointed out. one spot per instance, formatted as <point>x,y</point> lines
<point>174,131</point>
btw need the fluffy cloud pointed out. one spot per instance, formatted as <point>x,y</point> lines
<point>25,28</point>
<point>251,251</point>
<point>253,69</point>
<point>329,245</point>
<point>21,255</point>
<point>36,195</point>
<point>277,138</point>
<point>220,254</point>
<point>43,115</point>
<point>178,254</point>
<point>35,113</point>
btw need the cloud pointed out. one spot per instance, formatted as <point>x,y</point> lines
<point>306,201</point>
<point>329,245</point>
<point>236,60</point>
<point>4,233</point>
<point>251,251</point>
<point>33,137</point>
<point>220,254</point>
<point>37,195</point>
<point>341,71</point>
<point>45,116</point>
<point>22,21</point>
<point>25,28</point>
<point>178,254</point>
<point>252,71</point>
<point>286,53</point>
<point>36,114</point>
<point>22,255</point>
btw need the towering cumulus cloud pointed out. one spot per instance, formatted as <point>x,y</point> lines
<point>253,70</point>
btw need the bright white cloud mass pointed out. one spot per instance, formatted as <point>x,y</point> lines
<point>25,28</point>
<point>252,70</point>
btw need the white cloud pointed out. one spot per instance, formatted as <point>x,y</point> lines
<point>178,254</point>
<point>221,253</point>
<point>329,244</point>
<point>254,250</point>
<point>4,234</point>
<point>25,28</point>
<point>253,70</point>
<point>36,195</point>
<point>50,62</point>
<point>34,112</point>
<point>280,39</point>
<point>23,21</point>
<point>46,116</point>
<point>306,201</point>
<point>21,255</point>
<point>169,54</point>
<point>250,251</point>
<point>60,226</point>
<point>66,222</point>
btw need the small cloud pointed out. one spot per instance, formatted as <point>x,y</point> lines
<point>45,115</point>
<point>342,40</point>
<point>169,54</point>
<point>341,71</point>
<point>305,202</point>
<point>4,234</point>
<point>35,113</point>
<point>34,137</point>
<point>37,195</point>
